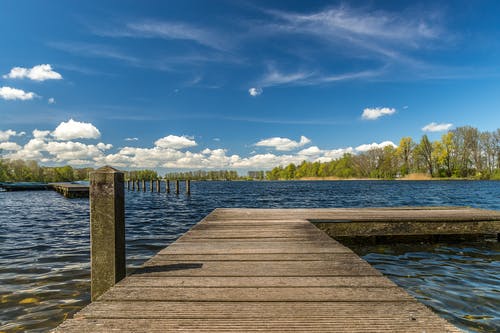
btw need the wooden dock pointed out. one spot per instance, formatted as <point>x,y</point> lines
<point>71,190</point>
<point>248,270</point>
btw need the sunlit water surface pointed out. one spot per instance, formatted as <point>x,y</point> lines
<point>44,244</point>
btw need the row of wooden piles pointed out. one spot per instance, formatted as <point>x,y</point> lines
<point>156,185</point>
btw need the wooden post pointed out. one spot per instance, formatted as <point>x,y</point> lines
<point>188,187</point>
<point>151,186</point>
<point>107,229</point>
<point>177,186</point>
<point>158,185</point>
<point>143,185</point>
<point>167,184</point>
<point>133,185</point>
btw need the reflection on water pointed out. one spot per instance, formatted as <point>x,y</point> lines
<point>44,243</point>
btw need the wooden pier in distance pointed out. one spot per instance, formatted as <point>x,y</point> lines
<point>71,190</point>
<point>269,270</point>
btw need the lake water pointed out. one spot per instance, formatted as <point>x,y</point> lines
<point>44,244</point>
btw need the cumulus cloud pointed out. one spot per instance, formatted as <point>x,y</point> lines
<point>175,142</point>
<point>51,100</point>
<point>375,113</point>
<point>329,155</point>
<point>43,148</point>
<point>283,144</point>
<point>11,146</point>
<point>5,135</point>
<point>37,134</point>
<point>255,91</point>
<point>104,146</point>
<point>9,93</point>
<point>374,145</point>
<point>311,151</point>
<point>75,130</point>
<point>434,127</point>
<point>131,139</point>
<point>36,73</point>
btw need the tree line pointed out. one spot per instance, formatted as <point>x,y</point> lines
<point>464,152</point>
<point>204,175</point>
<point>31,171</point>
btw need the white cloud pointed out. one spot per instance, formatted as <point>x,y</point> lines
<point>76,130</point>
<point>36,73</point>
<point>274,77</point>
<point>40,134</point>
<point>131,139</point>
<point>375,113</point>
<point>51,100</point>
<point>283,144</point>
<point>5,135</point>
<point>255,91</point>
<point>69,150</point>
<point>9,93</point>
<point>374,145</point>
<point>104,146</point>
<point>11,146</point>
<point>311,151</point>
<point>168,30</point>
<point>175,142</point>
<point>434,127</point>
<point>384,34</point>
<point>329,155</point>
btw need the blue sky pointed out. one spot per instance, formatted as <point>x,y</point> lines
<point>240,85</point>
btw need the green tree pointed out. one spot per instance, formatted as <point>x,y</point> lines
<point>404,153</point>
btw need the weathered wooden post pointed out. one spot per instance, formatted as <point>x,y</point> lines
<point>143,185</point>
<point>188,187</point>
<point>151,186</point>
<point>167,184</point>
<point>107,229</point>
<point>177,186</point>
<point>158,185</point>
<point>133,185</point>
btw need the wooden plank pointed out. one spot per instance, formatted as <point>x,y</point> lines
<point>276,324</point>
<point>257,281</point>
<point>366,214</point>
<point>253,257</point>
<point>256,310</point>
<point>261,294</point>
<point>357,266</point>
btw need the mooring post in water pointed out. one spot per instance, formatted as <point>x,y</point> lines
<point>167,185</point>
<point>158,185</point>
<point>151,186</point>
<point>177,186</point>
<point>107,229</point>
<point>133,184</point>
<point>188,187</point>
<point>143,185</point>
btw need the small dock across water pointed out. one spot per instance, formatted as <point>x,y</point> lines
<point>271,270</point>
